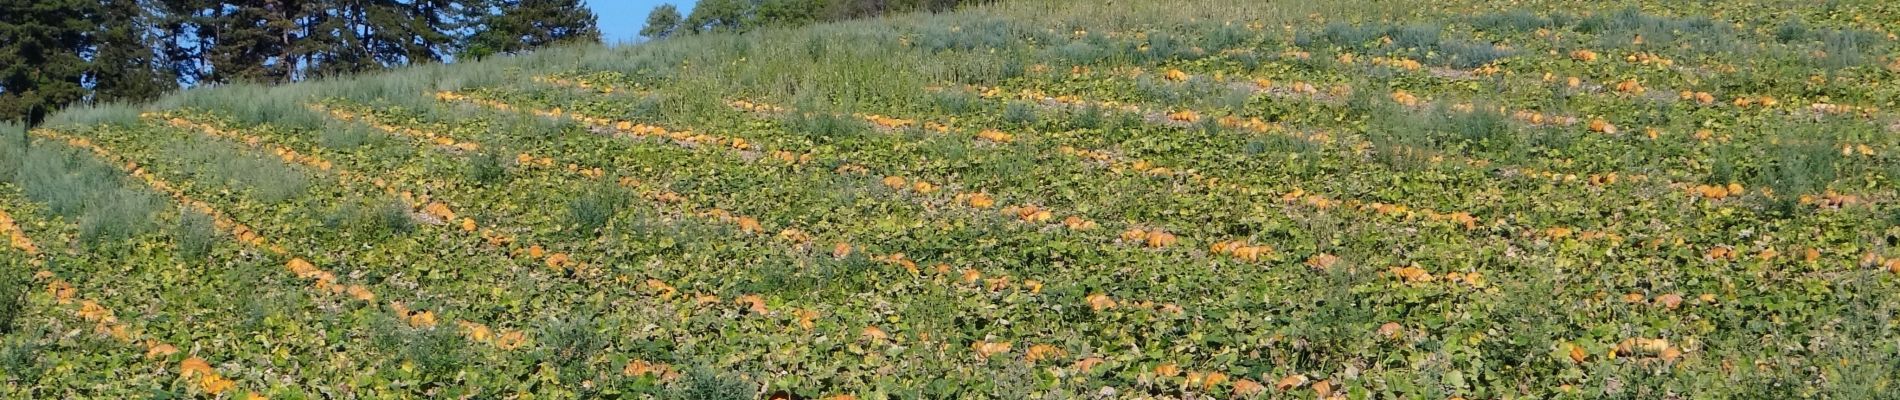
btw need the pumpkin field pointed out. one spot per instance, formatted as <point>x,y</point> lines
<point>1463,199</point>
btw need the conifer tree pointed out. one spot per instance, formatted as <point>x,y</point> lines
<point>662,22</point>
<point>43,44</point>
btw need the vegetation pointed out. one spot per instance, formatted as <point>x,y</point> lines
<point>1034,199</point>
<point>55,53</point>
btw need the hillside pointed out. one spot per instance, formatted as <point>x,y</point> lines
<point>1137,199</point>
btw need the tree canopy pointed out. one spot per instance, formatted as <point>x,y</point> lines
<point>59,52</point>
<point>742,15</point>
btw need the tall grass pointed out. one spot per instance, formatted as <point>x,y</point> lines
<point>78,187</point>
<point>1426,42</point>
<point>94,114</point>
<point>13,289</point>
<point>194,235</point>
<point>268,179</point>
<point>590,211</point>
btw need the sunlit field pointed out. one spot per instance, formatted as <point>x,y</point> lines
<point>1145,199</point>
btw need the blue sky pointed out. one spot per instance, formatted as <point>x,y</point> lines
<point>621,20</point>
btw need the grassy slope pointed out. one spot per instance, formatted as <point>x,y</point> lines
<point>1383,234</point>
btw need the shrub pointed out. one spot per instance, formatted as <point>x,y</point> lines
<point>825,127</point>
<point>370,218</point>
<point>194,234</point>
<point>570,343</point>
<point>1415,36</point>
<point>20,359</point>
<point>343,136</point>
<point>1089,117</point>
<point>437,354</point>
<point>13,289</point>
<point>1516,20</point>
<point>1792,31</point>
<point>954,101</point>
<point>592,211</point>
<point>701,383</point>
<point>1465,54</point>
<point>1020,114</point>
<point>1482,129</point>
<point>485,169</point>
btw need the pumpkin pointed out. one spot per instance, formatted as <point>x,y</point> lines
<point>872,333</point>
<point>1322,261</point>
<point>980,200</point>
<point>1042,352</point>
<point>1184,116</point>
<point>753,303</point>
<point>1291,382</point>
<point>985,349</point>
<point>1248,388</point>
<point>995,136</point>
<point>1175,75</point>
<point>422,319</point>
<point>971,275</point>
<point>1629,86</point>
<point>1576,353</point>
<point>1168,369</point>
<point>1391,330</point>
<point>156,350</point>
<point>806,318</point>
<point>1087,364</point>
<point>511,339</point>
<point>1159,239</point>
<point>644,368</point>
<point>1403,98</point>
<point>1670,301</point>
<point>1599,125</point>
<point>61,291</point>
<point>476,332</point>
<point>1099,302</point>
<point>360,293</point>
<point>1034,286</point>
<point>750,225</point>
<point>194,366</point>
<point>214,384</point>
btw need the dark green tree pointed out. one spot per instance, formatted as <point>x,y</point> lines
<point>788,12</point>
<point>662,22</point>
<point>124,65</point>
<point>515,26</point>
<point>719,15</point>
<point>249,41</point>
<point>42,55</point>
<point>366,35</point>
<point>185,29</point>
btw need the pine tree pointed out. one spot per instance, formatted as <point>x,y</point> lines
<point>662,22</point>
<point>515,26</point>
<point>185,29</point>
<point>42,44</point>
<point>787,12</point>
<point>339,37</point>
<point>718,15</point>
<point>247,42</point>
<point>124,65</point>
